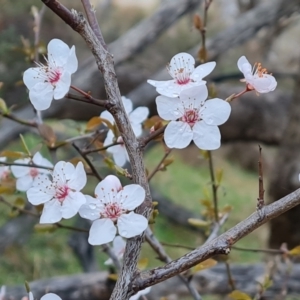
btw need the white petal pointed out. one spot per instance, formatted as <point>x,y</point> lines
<point>203,70</point>
<point>264,84</point>
<point>181,61</point>
<point>36,196</point>
<point>51,212</point>
<point>132,224</point>
<point>72,204</point>
<point>51,296</point>
<point>20,171</point>
<point>108,188</point>
<point>140,293</point>
<point>38,159</point>
<point>216,111</point>
<point>31,78</point>
<point>109,139</point>
<point>102,231</point>
<point>78,178</point>
<point>58,52</point>
<point>120,155</point>
<point>119,245</point>
<point>41,95</point>
<point>24,183</point>
<point>178,135</point>
<point>63,171</point>
<point>137,129</point>
<point>72,62</point>
<point>62,86</point>
<point>206,137</point>
<point>108,116</point>
<point>139,115</point>
<point>243,63</point>
<point>169,108</point>
<point>127,104</point>
<point>91,209</point>
<point>30,296</point>
<point>131,196</point>
<point>196,95</point>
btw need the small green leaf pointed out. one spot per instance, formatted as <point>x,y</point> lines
<point>198,222</point>
<point>219,176</point>
<point>42,228</point>
<point>3,106</point>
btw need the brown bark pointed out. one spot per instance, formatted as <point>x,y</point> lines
<point>285,177</point>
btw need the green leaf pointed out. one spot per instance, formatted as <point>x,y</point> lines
<point>3,107</point>
<point>209,263</point>
<point>295,251</point>
<point>42,228</point>
<point>198,222</point>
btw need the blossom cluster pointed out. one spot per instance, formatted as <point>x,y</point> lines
<point>183,101</point>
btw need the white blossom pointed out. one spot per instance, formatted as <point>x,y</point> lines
<point>256,78</point>
<point>4,170</point>
<point>112,210</point>
<point>27,175</point>
<point>2,292</point>
<point>61,194</point>
<point>136,118</point>
<point>185,75</point>
<point>52,80</point>
<point>193,118</point>
<point>49,296</point>
<point>118,249</point>
<point>140,293</point>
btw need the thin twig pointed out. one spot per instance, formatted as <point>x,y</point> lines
<point>145,140</point>
<point>59,225</point>
<point>18,120</point>
<point>159,165</point>
<point>269,251</point>
<point>213,185</point>
<point>29,165</point>
<point>88,99</point>
<point>92,19</point>
<point>229,274</point>
<point>19,209</point>
<point>100,149</point>
<point>92,167</point>
<point>261,191</point>
<point>163,256</point>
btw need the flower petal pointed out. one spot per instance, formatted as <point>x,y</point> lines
<point>91,209</point>
<point>203,70</point>
<point>20,171</point>
<point>243,64</point>
<point>120,155</point>
<point>37,196</point>
<point>139,115</point>
<point>178,135</point>
<point>78,178</point>
<point>131,196</point>
<point>108,188</point>
<point>132,224</point>
<point>51,212</point>
<point>63,171</point>
<point>51,296</point>
<point>38,159</point>
<point>216,111</point>
<point>72,204</point>
<point>24,183</point>
<point>169,108</point>
<point>108,116</point>
<point>102,231</point>
<point>196,96</point>
<point>127,104</point>
<point>62,86</point>
<point>181,61</point>
<point>31,78</point>
<point>206,137</point>
<point>41,95</point>
<point>72,62</point>
<point>58,53</point>
<point>264,84</point>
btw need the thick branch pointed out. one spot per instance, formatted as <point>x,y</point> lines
<point>220,245</point>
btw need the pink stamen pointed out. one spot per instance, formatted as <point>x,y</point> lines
<point>33,172</point>
<point>112,211</point>
<point>190,116</point>
<point>61,193</point>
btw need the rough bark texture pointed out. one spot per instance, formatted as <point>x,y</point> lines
<point>96,286</point>
<point>284,178</point>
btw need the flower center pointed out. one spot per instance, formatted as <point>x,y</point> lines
<point>33,172</point>
<point>5,174</point>
<point>61,193</point>
<point>191,116</point>
<point>112,211</point>
<point>54,75</point>
<point>258,70</point>
<point>182,76</point>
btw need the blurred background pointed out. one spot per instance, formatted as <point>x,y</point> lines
<point>143,36</point>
